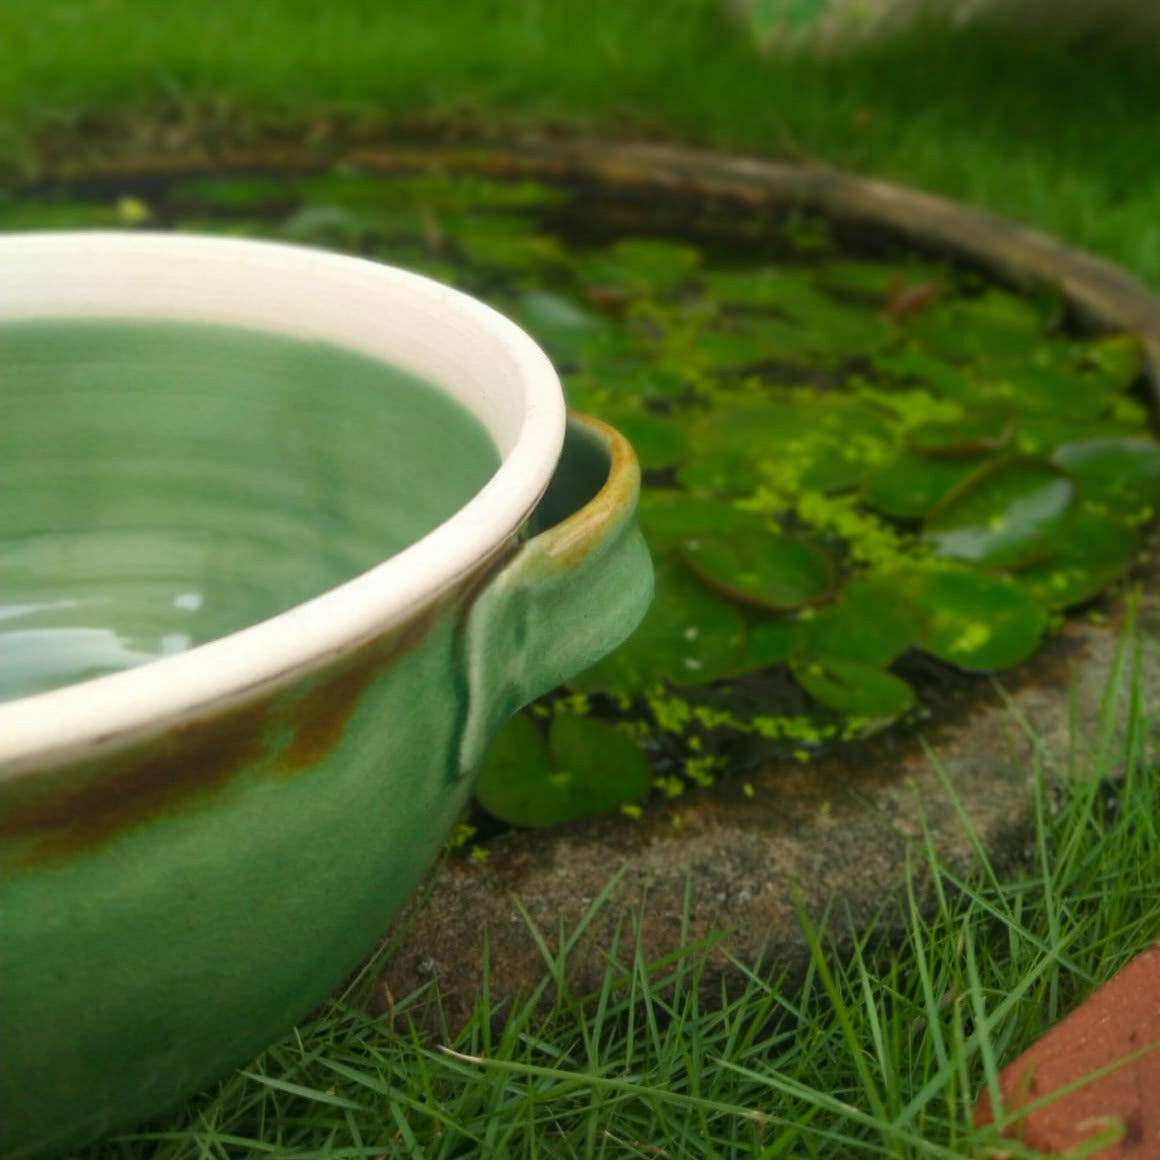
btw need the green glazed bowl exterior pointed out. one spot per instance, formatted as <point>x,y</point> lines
<point>196,852</point>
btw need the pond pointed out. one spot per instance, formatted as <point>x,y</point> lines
<point>869,475</point>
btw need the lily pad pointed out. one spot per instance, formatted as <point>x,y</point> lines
<point>689,636</point>
<point>519,759</point>
<point>821,324</point>
<point>23,215</point>
<point>994,325</point>
<point>566,330</point>
<point>605,768</point>
<point>501,244</point>
<point>659,382</point>
<point>1096,552</point>
<point>326,225</point>
<point>1115,361</point>
<point>855,689</point>
<point>611,355</point>
<point>1004,515</point>
<point>1045,383</point>
<point>638,267</point>
<point>1123,474</point>
<point>658,441</point>
<point>770,641</point>
<point>978,622</point>
<point>910,485</point>
<point>828,445</point>
<point>762,288</point>
<point>762,568</point>
<point>585,768</point>
<point>936,374</point>
<point>233,193</point>
<point>1041,434</point>
<point>978,432</point>
<point>870,281</point>
<point>870,623</point>
<point>729,349</point>
<point>670,517</point>
<point>452,194</point>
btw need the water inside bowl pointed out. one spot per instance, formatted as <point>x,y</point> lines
<point>167,483</point>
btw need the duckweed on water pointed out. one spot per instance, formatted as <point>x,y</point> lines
<point>847,462</point>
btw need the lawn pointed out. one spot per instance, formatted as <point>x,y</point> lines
<point>881,1053</point>
<point>1044,129</point>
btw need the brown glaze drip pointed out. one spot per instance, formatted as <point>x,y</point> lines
<point>54,815</point>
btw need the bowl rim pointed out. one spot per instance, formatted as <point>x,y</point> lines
<point>47,729</point>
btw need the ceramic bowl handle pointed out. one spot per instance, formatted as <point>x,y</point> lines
<point>574,590</point>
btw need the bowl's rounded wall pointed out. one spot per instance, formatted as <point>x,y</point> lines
<point>169,912</point>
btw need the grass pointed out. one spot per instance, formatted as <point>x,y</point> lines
<point>881,1052</point>
<point>1038,128</point>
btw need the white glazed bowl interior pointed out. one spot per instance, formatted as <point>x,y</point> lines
<point>479,358</point>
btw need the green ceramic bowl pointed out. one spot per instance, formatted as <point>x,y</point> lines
<point>341,585</point>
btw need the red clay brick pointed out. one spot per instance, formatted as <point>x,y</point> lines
<point>1121,1018</point>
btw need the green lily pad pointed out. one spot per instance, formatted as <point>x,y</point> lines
<point>769,641</point>
<point>1123,474</point>
<point>638,267</point>
<point>1045,383</point>
<point>658,382</point>
<point>808,236</point>
<point>994,325</point>
<point>870,281</point>
<point>585,768</point>
<point>233,193</point>
<point>600,758</point>
<point>936,374</point>
<point>804,321</point>
<point>978,432</point>
<point>611,355</point>
<point>519,759</point>
<point>978,622</point>
<point>449,194</point>
<point>669,517</point>
<point>910,485</point>
<point>731,349</point>
<point>870,623</point>
<point>498,243</point>
<point>234,228</point>
<point>658,441</point>
<point>326,225</point>
<point>689,636</point>
<point>25,215</point>
<point>566,330</point>
<point>1004,515</point>
<point>1115,361</point>
<point>855,689</point>
<point>1096,552</point>
<point>762,568</point>
<point>829,445</point>
<point>546,310</point>
<point>785,290</point>
<point>764,288</point>
<point>1041,434</point>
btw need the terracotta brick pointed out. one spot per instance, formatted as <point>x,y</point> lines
<point>1121,1018</point>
